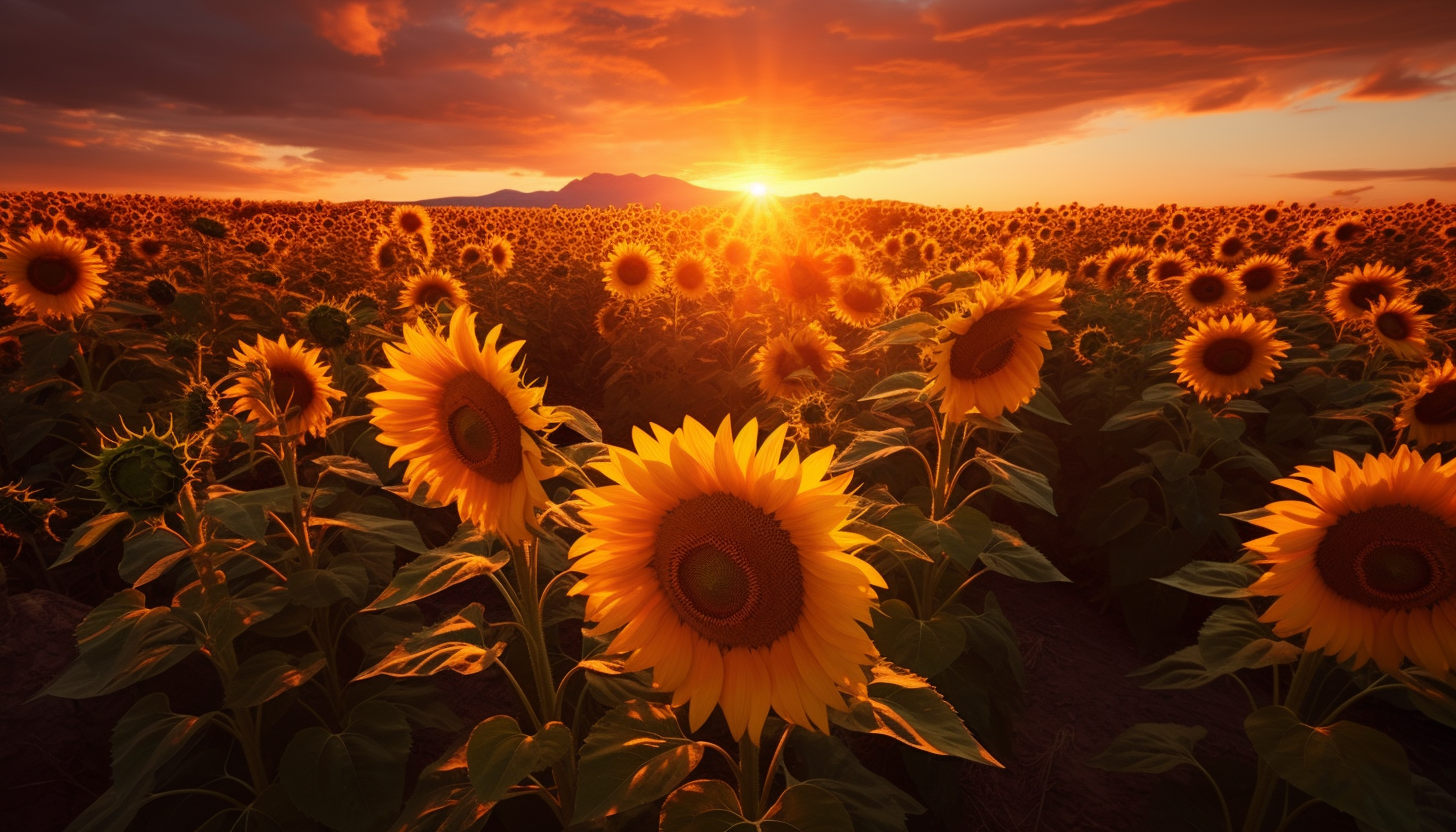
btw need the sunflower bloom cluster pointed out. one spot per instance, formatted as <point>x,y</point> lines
<point>456,411</point>
<point>1355,291</point>
<point>50,275</point>
<point>724,566</point>
<point>1365,565</point>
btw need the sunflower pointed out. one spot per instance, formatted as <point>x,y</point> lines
<point>1090,343</point>
<point>801,280</point>
<point>1228,356</point>
<point>1118,263</point>
<point>427,288</point>
<point>385,253</point>
<point>1262,276</point>
<point>1428,406</point>
<point>990,355</point>
<point>283,374</point>
<point>1366,568</point>
<point>1206,289</point>
<point>691,277</point>
<point>459,414</point>
<point>843,263</point>
<point>727,570</point>
<point>1230,248</point>
<point>861,299</point>
<point>1399,326</point>
<point>1355,291</point>
<point>1170,266</point>
<point>50,274</point>
<point>810,348</point>
<point>610,318</point>
<point>736,253</point>
<point>1018,254</point>
<point>501,255</point>
<point>410,219</point>
<point>470,255</point>
<point>632,271</point>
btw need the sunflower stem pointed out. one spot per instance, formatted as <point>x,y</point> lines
<point>1268,780</point>
<point>773,763</point>
<point>748,778</point>
<point>289,465</point>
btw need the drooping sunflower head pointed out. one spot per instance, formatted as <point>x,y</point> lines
<point>1117,265</point>
<point>1398,326</point>
<point>1091,343</point>
<point>428,287</point>
<point>385,253</point>
<point>990,352</point>
<point>1170,265</point>
<point>812,418</point>
<point>50,275</point>
<point>1262,276</point>
<point>632,272</point>
<point>691,276</point>
<point>328,324</point>
<point>861,299</point>
<point>724,566</point>
<point>1355,291</point>
<point>140,473</point>
<point>456,411</point>
<point>1206,289</point>
<point>501,255</point>
<point>1428,405</point>
<point>282,383</point>
<point>1228,356</point>
<point>1018,254</point>
<point>800,279</point>
<point>809,349</point>
<point>1366,569</point>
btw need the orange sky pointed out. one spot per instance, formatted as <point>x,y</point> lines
<point>993,103</point>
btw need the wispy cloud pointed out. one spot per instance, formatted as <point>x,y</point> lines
<point>1446,173</point>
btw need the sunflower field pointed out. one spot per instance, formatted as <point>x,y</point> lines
<point>806,515</point>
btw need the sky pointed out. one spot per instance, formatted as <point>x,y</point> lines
<point>988,103</point>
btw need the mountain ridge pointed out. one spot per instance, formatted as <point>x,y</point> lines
<point>600,190</point>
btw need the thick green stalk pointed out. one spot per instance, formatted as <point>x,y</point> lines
<point>1268,781</point>
<point>748,777</point>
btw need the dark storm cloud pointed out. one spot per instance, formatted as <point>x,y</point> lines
<point>288,94</point>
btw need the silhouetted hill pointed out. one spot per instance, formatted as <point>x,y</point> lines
<point>600,190</point>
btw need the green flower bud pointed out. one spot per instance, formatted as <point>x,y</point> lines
<point>328,325</point>
<point>140,474</point>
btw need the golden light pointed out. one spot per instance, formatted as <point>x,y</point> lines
<point>758,189</point>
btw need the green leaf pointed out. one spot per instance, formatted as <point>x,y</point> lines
<point>871,446</point>
<point>1233,638</point>
<point>1009,555</point>
<point>1243,406</point>
<point>1214,579</point>
<point>701,806</point>
<point>633,755</point>
<point>1133,414</point>
<point>886,539</point>
<point>1151,748</point>
<point>1121,520</point>
<point>435,571</point>
<point>345,578</point>
<point>1042,405</point>
<point>146,738</point>
<point>1184,670</point>
<point>925,647</point>
<point>874,803</point>
<point>807,808</point>
<point>149,556</point>
<point>904,706</point>
<point>121,642</point>
<point>443,799</point>
<point>249,520</point>
<point>270,674</point>
<point>88,534</point>
<point>352,781</point>
<point>899,384</point>
<point>964,535</point>
<point>348,467</point>
<point>458,643</point>
<point>499,755</point>
<point>1021,484</point>
<point>401,533</point>
<point>1165,392</point>
<point>1355,769</point>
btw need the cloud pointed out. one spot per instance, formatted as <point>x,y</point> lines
<point>1351,191</point>
<point>696,88</point>
<point>1446,173</point>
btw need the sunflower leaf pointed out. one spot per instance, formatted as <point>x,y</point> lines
<point>352,781</point>
<point>1010,555</point>
<point>633,755</point>
<point>458,643</point>
<point>1213,579</point>
<point>701,806</point>
<point>1151,748</point>
<point>466,556</point>
<point>1020,484</point>
<point>926,647</point>
<point>1233,638</point>
<point>868,447</point>
<point>904,706</point>
<point>499,755</point>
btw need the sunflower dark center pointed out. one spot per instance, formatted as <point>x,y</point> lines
<point>1257,278</point>
<point>812,414</point>
<point>1231,247</point>
<point>387,256</point>
<point>690,276</point>
<point>1437,407</point>
<point>986,347</point>
<point>860,299</point>
<point>805,281</point>
<point>1364,295</point>
<point>470,256</point>
<point>292,388</point>
<point>1228,356</point>
<point>482,428</point>
<point>729,570</point>
<point>1393,557</point>
<point>1168,269</point>
<point>410,222</point>
<point>498,255</point>
<point>1393,326</point>
<point>52,274</point>
<point>1207,288</point>
<point>430,294</point>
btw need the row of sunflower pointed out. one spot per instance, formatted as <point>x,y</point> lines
<point>719,572</point>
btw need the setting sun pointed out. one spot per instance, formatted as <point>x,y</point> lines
<point>758,189</point>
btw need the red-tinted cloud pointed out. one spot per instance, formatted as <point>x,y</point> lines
<point>1445,173</point>
<point>287,94</point>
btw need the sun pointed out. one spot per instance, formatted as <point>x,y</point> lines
<point>758,189</point>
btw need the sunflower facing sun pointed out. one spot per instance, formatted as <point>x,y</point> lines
<point>632,271</point>
<point>50,274</point>
<point>1366,568</point>
<point>1228,356</point>
<point>459,414</point>
<point>724,566</point>
<point>276,372</point>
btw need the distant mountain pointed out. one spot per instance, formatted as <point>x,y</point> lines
<point>600,190</point>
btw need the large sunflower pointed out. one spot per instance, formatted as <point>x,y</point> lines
<point>1428,406</point>
<point>1262,276</point>
<point>1206,289</point>
<point>691,276</point>
<point>300,386</point>
<point>1399,326</point>
<point>50,274</point>
<point>632,271</point>
<point>426,289</point>
<point>1228,356</point>
<point>801,280</point>
<point>1367,567</point>
<point>809,348</point>
<point>455,409</point>
<point>990,355</point>
<point>1355,291</point>
<point>726,569</point>
<point>861,298</point>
